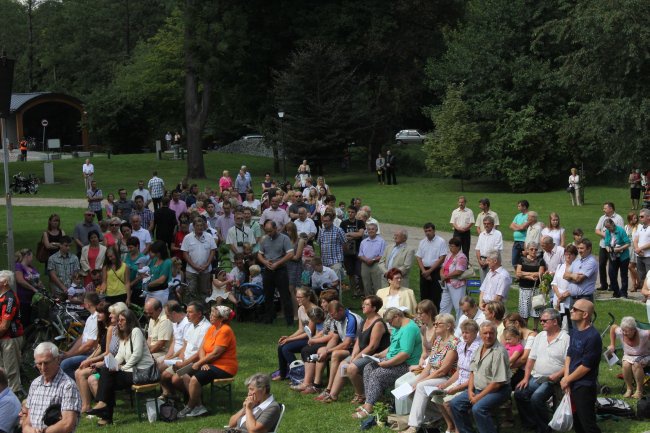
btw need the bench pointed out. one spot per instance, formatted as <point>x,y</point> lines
<point>222,385</point>
<point>136,390</point>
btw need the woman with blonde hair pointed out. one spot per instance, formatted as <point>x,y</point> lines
<point>554,229</point>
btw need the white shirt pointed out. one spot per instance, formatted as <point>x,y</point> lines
<point>462,217</point>
<point>88,168</point>
<point>554,258</point>
<point>561,284</point>
<point>90,329</point>
<point>534,233</point>
<point>492,241</point>
<point>144,236</point>
<point>306,226</point>
<point>549,357</point>
<point>642,236</point>
<point>496,283</point>
<point>181,333</point>
<point>195,336</point>
<point>479,317</point>
<point>239,236</point>
<point>328,276</point>
<point>258,409</point>
<point>431,250</point>
<point>618,220</point>
<point>146,195</point>
<point>555,234</point>
<point>481,215</point>
<point>198,249</point>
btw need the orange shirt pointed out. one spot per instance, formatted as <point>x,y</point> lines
<point>223,337</point>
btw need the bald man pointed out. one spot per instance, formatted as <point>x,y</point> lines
<point>581,367</point>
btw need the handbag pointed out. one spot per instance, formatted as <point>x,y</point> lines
<point>467,274</point>
<point>42,254</point>
<point>143,376</point>
<point>570,189</point>
<point>538,301</point>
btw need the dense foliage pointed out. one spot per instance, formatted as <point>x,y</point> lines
<point>515,90</point>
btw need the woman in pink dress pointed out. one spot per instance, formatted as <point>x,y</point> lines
<point>225,182</point>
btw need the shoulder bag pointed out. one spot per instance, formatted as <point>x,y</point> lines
<point>143,376</point>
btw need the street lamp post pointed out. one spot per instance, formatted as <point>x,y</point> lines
<point>284,146</point>
<point>6,82</point>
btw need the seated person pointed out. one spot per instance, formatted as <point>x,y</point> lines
<point>221,289</point>
<point>488,386</point>
<point>323,277</point>
<point>636,354</point>
<point>260,412</point>
<point>84,346</point>
<point>9,405</point>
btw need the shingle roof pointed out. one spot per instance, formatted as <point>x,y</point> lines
<point>19,99</point>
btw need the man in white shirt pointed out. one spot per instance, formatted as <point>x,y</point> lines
<point>323,276</point>
<point>198,249</point>
<point>484,205</point>
<point>238,235</point>
<point>497,282</point>
<point>305,225</point>
<point>553,254</point>
<point>609,211</point>
<point>534,230</point>
<point>81,348</point>
<point>141,233</point>
<point>642,244</point>
<point>490,239</point>
<point>88,171</point>
<point>430,255</point>
<point>142,191</point>
<point>470,311</point>
<point>462,220</point>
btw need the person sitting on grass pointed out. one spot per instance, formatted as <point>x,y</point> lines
<point>221,289</point>
<point>636,354</point>
<point>260,412</point>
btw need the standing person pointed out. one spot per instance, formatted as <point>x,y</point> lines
<point>553,254</point>
<point>275,214</point>
<point>124,205</point>
<point>534,230</point>
<point>238,235</point>
<point>582,274</point>
<point>430,255</point>
<point>490,239</point>
<point>635,187</point>
<point>23,150</point>
<point>497,282</point>
<point>581,368</point>
<point>168,139</point>
<point>574,188</point>
<point>61,266</point>
<point>354,230</point>
<point>198,251</point>
<point>609,211</point>
<point>177,138</point>
<point>454,288</point>
<point>642,244</point>
<point>380,166</point>
<point>95,197</point>
<point>332,241</point>
<point>9,405</point>
<point>28,282</point>
<point>116,279</point>
<point>225,222</point>
<point>399,255</point>
<point>530,269</point>
<point>276,250</point>
<point>560,286</point>
<point>88,172</point>
<point>141,210</point>
<point>555,230</point>
<point>484,205</point>
<point>619,257</point>
<point>630,229</point>
<point>83,229</point>
<point>164,223</point>
<point>161,273</point>
<point>157,188</point>
<point>11,333</point>
<point>52,236</point>
<point>519,225</point>
<point>242,184</point>
<point>391,168</point>
<point>225,182</point>
<point>110,206</point>
<point>462,220</point>
<point>370,253</point>
<point>143,192</point>
<point>52,387</point>
<point>140,232</point>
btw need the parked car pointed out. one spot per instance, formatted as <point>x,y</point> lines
<point>408,136</point>
<point>252,137</point>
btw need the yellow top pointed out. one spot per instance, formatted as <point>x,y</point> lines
<point>115,281</point>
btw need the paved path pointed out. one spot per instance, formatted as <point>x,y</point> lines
<point>416,234</point>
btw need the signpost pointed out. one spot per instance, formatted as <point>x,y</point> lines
<point>44,123</point>
<point>6,81</point>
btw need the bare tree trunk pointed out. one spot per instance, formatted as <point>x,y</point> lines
<point>276,159</point>
<point>30,44</point>
<point>128,29</point>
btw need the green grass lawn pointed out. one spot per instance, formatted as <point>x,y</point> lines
<point>412,202</point>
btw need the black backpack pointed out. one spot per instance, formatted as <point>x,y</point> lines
<point>168,412</point>
<point>643,408</point>
<point>613,406</point>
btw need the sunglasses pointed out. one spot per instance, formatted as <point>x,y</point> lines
<point>577,309</point>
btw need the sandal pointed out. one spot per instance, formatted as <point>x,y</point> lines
<point>361,413</point>
<point>329,399</point>
<point>358,399</point>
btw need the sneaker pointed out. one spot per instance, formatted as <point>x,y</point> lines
<point>197,411</point>
<point>183,413</point>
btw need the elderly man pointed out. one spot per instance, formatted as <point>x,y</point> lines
<point>305,225</point>
<point>61,266</point>
<point>642,244</point>
<point>497,282</point>
<point>161,331</point>
<point>82,347</point>
<point>488,386</point>
<point>553,254</point>
<point>82,229</point>
<point>242,184</point>
<point>52,387</point>
<point>399,255</point>
<point>276,214</point>
<point>11,331</point>
<point>238,235</point>
<point>544,369</point>
<point>430,255</point>
<point>146,216</point>
<point>140,232</point>
<point>298,203</point>
<point>157,187</point>
<point>534,230</point>
<point>490,239</point>
<point>519,225</point>
<point>198,249</point>
<point>9,405</point>
<point>583,274</point>
<point>370,219</point>
<point>470,310</point>
<point>609,211</point>
<point>88,170</point>
<point>189,352</point>
<point>323,277</point>
<point>142,192</point>
<point>581,367</point>
<point>462,220</point>
<point>276,250</point>
<point>331,240</point>
<point>484,205</point>
<point>370,252</point>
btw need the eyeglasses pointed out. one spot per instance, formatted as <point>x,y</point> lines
<point>545,320</point>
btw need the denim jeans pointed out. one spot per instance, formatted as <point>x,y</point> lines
<point>70,365</point>
<point>286,354</point>
<point>531,404</point>
<point>481,411</point>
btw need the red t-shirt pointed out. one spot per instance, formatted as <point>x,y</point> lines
<point>10,310</point>
<point>178,240</point>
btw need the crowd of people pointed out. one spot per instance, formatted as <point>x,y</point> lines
<point>297,243</point>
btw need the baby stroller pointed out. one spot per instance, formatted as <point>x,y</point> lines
<point>250,302</point>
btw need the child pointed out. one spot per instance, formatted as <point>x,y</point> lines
<point>76,290</point>
<point>221,289</point>
<point>341,211</point>
<point>512,340</point>
<point>144,272</point>
<point>577,236</point>
<point>178,239</point>
<point>249,255</point>
<point>175,285</point>
<point>255,275</point>
<point>95,284</point>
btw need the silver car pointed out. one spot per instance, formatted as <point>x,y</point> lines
<point>408,136</point>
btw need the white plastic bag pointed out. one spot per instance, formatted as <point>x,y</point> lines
<point>563,416</point>
<point>152,411</point>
